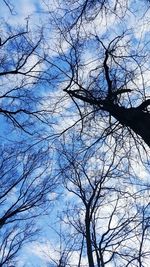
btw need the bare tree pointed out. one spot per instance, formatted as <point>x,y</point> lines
<point>106,208</point>
<point>96,76</point>
<point>111,82</point>
<point>13,239</point>
<point>21,75</point>
<point>27,181</point>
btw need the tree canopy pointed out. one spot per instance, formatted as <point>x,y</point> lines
<point>75,134</point>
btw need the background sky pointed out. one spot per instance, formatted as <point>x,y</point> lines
<point>37,253</point>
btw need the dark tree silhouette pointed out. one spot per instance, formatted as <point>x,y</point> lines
<point>26,185</point>
<point>109,212</point>
<point>90,83</point>
<point>108,82</point>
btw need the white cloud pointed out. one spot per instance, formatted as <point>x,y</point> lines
<point>44,250</point>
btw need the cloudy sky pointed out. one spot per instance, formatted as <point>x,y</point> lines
<point>37,253</point>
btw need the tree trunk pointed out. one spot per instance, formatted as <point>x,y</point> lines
<point>88,241</point>
<point>137,119</point>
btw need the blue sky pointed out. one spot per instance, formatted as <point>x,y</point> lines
<point>32,10</point>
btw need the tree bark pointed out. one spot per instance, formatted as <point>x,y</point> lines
<point>88,241</point>
<point>136,118</point>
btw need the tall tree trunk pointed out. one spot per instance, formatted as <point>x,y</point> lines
<point>89,241</point>
<point>136,118</point>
